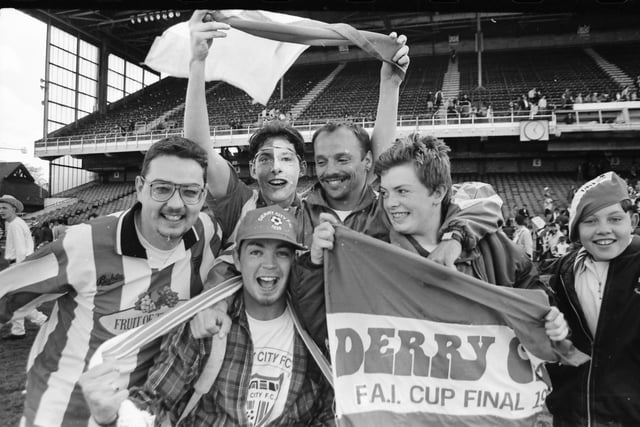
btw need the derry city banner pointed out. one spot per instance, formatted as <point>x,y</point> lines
<point>415,343</point>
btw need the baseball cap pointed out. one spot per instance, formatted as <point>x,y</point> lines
<point>271,222</point>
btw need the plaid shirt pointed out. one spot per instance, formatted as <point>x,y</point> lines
<point>179,365</point>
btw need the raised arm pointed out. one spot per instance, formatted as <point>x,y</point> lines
<point>196,117</point>
<point>384,131</point>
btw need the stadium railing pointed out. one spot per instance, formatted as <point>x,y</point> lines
<point>584,117</point>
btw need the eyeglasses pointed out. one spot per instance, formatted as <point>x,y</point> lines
<point>161,191</point>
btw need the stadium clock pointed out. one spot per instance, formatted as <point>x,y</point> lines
<point>534,130</point>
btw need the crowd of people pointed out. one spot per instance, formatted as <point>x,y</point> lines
<point>116,272</point>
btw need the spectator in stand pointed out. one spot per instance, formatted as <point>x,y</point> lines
<point>522,236</point>
<point>533,110</point>
<point>429,99</point>
<point>59,227</point>
<point>547,200</point>
<point>438,99</point>
<point>522,105</point>
<point>532,96</point>
<point>43,235</point>
<point>524,211</point>
<point>542,105</point>
<point>579,99</point>
<point>561,248</point>
<point>19,245</point>
<point>567,99</point>
<point>509,228</point>
<point>550,240</point>
<point>597,287</point>
<point>489,113</point>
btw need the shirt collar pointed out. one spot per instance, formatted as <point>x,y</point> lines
<point>127,241</point>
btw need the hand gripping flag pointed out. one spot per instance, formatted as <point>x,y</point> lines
<point>415,343</point>
<point>135,349</point>
<point>259,48</point>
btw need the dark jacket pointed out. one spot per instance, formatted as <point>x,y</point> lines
<point>496,260</point>
<point>607,388</point>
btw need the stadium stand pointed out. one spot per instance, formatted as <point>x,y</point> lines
<point>424,76</point>
<point>509,75</point>
<point>93,197</point>
<point>230,106</point>
<point>624,56</point>
<point>518,189</point>
<point>353,94</point>
<point>139,109</point>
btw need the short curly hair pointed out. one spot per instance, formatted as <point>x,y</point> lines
<point>429,156</point>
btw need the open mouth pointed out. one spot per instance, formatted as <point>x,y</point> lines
<point>267,282</point>
<point>277,182</point>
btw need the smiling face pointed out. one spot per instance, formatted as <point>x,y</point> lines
<point>606,233</point>
<point>277,168</point>
<point>411,207</point>
<point>164,223</point>
<point>341,167</point>
<point>265,265</point>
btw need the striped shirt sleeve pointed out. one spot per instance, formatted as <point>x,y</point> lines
<point>42,272</point>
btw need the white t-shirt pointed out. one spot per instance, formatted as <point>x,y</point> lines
<point>272,367</point>
<point>19,241</point>
<point>590,283</point>
<point>158,258</point>
<point>342,214</point>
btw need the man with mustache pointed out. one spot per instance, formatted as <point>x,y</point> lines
<point>344,156</point>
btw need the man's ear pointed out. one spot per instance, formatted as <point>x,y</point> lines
<point>139,185</point>
<point>368,161</point>
<point>252,170</point>
<point>303,167</point>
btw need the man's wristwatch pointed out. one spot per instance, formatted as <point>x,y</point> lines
<point>452,235</point>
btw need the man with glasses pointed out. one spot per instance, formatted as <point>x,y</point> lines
<point>115,273</point>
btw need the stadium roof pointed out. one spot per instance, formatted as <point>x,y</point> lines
<point>131,39</point>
